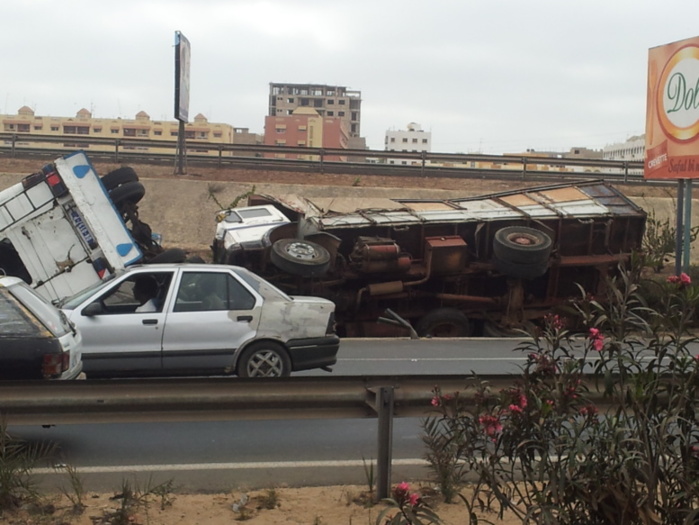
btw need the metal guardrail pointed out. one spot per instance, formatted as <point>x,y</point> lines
<point>218,399</point>
<point>320,159</point>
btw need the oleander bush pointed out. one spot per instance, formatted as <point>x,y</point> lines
<point>601,429</point>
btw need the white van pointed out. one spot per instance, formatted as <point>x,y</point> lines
<point>60,230</point>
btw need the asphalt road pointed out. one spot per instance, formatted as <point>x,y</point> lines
<point>221,455</point>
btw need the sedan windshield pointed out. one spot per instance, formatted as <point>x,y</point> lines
<point>72,302</point>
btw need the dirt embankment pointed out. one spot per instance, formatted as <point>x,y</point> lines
<point>182,207</point>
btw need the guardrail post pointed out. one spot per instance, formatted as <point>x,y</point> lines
<point>384,409</point>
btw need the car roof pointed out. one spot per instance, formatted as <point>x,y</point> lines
<point>196,266</point>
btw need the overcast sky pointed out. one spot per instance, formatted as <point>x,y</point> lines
<point>490,76</point>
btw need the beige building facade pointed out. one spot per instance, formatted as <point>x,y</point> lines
<point>83,126</point>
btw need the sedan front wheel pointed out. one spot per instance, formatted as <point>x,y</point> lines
<point>264,359</point>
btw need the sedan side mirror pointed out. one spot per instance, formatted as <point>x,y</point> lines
<point>93,309</point>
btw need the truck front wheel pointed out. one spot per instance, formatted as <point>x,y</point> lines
<point>444,322</point>
<point>300,257</point>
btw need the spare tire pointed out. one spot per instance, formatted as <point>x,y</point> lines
<point>519,244</point>
<point>131,192</point>
<point>300,257</point>
<point>118,177</point>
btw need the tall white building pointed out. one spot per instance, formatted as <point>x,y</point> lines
<point>633,149</point>
<point>413,139</point>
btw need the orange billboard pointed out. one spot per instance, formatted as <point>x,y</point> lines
<point>672,111</point>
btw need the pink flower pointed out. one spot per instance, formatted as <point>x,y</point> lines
<point>588,410</point>
<point>403,487</point>
<point>597,339</point>
<point>435,401</point>
<point>414,499</point>
<point>491,424</point>
<point>682,279</point>
<point>555,321</point>
<point>515,408</point>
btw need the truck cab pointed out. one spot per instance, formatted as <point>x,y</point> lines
<point>60,231</point>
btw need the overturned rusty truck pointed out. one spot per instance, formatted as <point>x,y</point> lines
<point>449,268</point>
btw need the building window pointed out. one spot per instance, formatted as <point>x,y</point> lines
<point>341,102</point>
<point>393,139</point>
<point>54,128</point>
<point>38,127</point>
<point>217,135</point>
<point>76,130</point>
<point>114,131</point>
<point>424,141</point>
<point>129,132</point>
<point>340,113</point>
<point>331,102</point>
<point>280,129</point>
<point>305,102</point>
<point>97,130</point>
<point>318,103</point>
<point>331,113</point>
<point>405,140</point>
<point>290,100</point>
<point>157,132</point>
<point>303,127</point>
<point>23,128</point>
<point>173,133</point>
<point>414,141</point>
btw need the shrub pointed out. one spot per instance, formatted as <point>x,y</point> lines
<point>551,449</point>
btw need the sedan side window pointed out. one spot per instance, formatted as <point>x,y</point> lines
<point>141,293</point>
<point>211,291</point>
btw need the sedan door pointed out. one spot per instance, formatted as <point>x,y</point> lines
<point>213,314</point>
<point>117,339</point>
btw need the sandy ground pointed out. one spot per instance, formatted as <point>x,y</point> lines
<point>333,505</point>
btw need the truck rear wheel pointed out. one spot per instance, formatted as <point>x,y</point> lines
<point>519,244</point>
<point>131,192</point>
<point>118,177</point>
<point>444,322</point>
<point>300,257</point>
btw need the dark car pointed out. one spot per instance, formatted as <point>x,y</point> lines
<point>36,339</point>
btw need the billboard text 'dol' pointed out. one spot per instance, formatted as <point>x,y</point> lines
<point>672,113</point>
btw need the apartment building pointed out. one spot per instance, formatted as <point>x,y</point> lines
<point>633,149</point>
<point>83,125</point>
<point>307,128</point>
<point>329,101</point>
<point>412,139</point>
